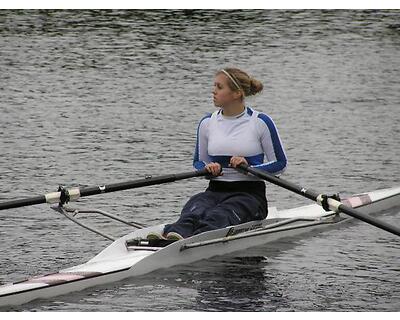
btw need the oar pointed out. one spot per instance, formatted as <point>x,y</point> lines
<point>321,199</point>
<point>66,195</point>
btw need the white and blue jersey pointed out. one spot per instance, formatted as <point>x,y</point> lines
<point>251,134</point>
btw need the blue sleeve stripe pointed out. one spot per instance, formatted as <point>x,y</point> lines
<point>255,160</point>
<point>196,162</point>
<point>281,160</point>
<point>198,165</point>
<point>272,167</point>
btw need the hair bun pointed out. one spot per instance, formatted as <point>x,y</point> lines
<point>249,85</point>
<point>255,86</point>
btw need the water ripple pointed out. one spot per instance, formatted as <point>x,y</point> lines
<point>95,97</point>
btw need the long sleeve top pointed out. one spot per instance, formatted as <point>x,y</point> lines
<point>251,134</point>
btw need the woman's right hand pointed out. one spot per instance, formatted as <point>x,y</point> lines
<point>214,168</point>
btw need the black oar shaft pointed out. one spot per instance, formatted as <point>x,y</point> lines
<point>149,181</point>
<point>316,196</point>
<point>22,202</point>
<point>366,218</point>
<point>54,197</point>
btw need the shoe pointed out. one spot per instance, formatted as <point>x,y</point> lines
<point>174,236</point>
<point>155,236</point>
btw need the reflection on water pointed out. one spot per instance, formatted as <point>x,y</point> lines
<point>95,97</point>
<point>237,284</point>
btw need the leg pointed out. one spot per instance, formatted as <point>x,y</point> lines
<point>191,213</point>
<point>234,208</point>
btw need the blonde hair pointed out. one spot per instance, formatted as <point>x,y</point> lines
<point>248,85</point>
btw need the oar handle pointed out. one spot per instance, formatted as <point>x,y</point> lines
<point>72,194</point>
<point>333,204</point>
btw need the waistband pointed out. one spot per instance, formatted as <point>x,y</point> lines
<point>256,188</point>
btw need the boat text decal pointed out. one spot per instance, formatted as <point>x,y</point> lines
<point>234,230</point>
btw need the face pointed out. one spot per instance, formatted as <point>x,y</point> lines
<point>222,93</point>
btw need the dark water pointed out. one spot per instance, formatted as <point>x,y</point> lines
<point>94,97</point>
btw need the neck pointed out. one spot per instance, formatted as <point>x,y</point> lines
<point>233,109</point>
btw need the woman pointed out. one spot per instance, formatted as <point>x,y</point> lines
<point>232,135</point>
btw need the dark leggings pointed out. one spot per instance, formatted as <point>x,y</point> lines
<point>215,209</point>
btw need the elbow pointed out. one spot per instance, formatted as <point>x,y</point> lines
<point>284,165</point>
<point>281,168</point>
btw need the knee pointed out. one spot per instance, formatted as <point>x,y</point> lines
<point>197,204</point>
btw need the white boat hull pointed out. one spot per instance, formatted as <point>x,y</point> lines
<point>118,261</point>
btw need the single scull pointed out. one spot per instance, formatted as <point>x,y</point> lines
<point>133,255</point>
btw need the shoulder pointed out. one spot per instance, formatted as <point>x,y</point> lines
<point>265,120</point>
<point>205,117</point>
<point>259,116</point>
<point>263,117</point>
<point>204,120</point>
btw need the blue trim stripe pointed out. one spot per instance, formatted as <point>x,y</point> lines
<point>249,111</point>
<point>255,160</point>
<point>281,160</point>
<point>222,160</point>
<point>225,160</point>
<point>197,164</point>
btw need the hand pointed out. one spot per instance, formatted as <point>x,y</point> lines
<point>235,161</point>
<point>214,168</point>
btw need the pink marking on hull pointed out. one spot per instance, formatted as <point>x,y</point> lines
<point>55,278</point>
<point>357,201</point>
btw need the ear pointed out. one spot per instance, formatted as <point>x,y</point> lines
<point>237,94</point>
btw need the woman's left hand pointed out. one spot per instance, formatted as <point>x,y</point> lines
<point>235,161</point>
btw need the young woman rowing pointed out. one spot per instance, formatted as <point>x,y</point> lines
<point>232,135</point>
